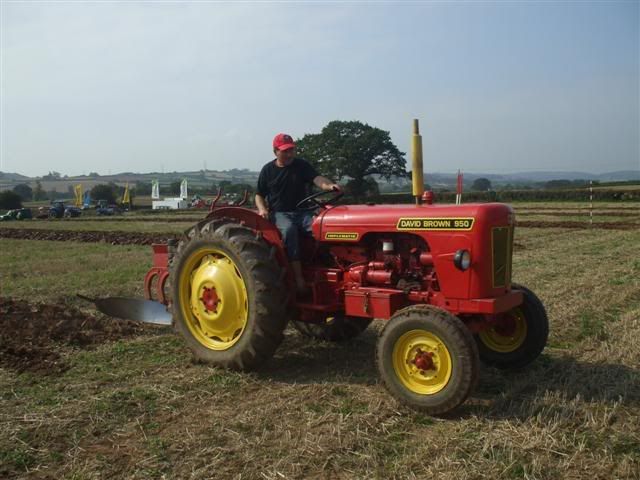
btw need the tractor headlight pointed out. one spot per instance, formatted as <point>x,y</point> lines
<point>462,260</point>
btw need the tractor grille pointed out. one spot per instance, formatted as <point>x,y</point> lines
<point>501,245</point>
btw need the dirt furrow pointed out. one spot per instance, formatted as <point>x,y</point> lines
<point>32,335</point>
<point>585,213</point>
<point>130,219</point>
<point>578,225</point>
<point>90,236</point>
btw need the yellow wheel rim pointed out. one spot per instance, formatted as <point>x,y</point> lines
<point>213,298</point>
<point>422,362</point>
<point>506,339</point>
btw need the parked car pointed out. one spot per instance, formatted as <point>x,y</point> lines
<point>109,210</point>
<point>71,212</point>
<point>59,210</point>
<point>16,214</point>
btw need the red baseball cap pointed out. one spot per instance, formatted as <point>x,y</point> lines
<point>282,141</point>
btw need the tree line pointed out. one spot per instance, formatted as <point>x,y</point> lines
<point>349,152</point>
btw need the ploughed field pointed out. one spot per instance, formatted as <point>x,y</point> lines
<point>85,396</point>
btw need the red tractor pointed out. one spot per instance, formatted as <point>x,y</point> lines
<point>439,275</point>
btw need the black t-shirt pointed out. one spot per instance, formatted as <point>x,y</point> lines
<point>284,187</point>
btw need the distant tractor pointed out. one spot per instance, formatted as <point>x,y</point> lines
<point>439,275</point>
<point>198,202</point>
<point>56,209</point>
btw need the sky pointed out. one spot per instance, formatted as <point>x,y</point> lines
<point>498,87</point>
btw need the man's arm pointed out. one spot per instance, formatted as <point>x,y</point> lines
<point>325,184</point>
<point>262,206</point>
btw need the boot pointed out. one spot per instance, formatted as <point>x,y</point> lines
<point>301,287</point>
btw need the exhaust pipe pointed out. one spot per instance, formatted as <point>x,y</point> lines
<point>416,163</point>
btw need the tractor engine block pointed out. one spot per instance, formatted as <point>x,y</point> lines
<point>393,261</point>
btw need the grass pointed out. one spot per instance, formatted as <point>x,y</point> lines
<point>141,408</point>
<point>578,212</point>
<point>49,271</point>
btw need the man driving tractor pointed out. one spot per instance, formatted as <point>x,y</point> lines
<point>439,275</point>
<point>282,184</point>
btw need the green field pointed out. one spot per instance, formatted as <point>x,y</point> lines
<point>140,407</point>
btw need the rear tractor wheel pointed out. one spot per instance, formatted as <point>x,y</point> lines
<point>427,359</point>
<point>229,300</point>
<point>519,336</point>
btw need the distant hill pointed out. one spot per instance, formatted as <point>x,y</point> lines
<point>200,178</point>
<point>623,175</point>
<point>205,178</point>
<point>15,177</point>
<point>619,176</point>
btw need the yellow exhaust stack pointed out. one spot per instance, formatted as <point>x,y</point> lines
<point>416,163</point>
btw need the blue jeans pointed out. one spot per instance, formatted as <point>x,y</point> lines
<point>291,225</point>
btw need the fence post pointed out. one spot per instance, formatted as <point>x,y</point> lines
<point>591,202</point>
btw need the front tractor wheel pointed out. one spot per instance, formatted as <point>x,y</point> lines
<point>427,359</point>
<point>229,302</point>
<point>518,337</point>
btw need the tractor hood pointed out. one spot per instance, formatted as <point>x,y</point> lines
<point>485,230</point>
<point>351,222</point>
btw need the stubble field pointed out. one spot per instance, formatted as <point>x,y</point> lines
<point>84,397</point>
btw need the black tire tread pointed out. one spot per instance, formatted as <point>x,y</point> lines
<point>534,343</point>
<point>267,295</point>
<point>460,339</point>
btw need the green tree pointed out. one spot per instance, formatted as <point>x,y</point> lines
<point>239,188</point>
<point>224,185</point>
<point>39,193</point>
<point>558,184</point>
<point>142,188</point>
<point>481,184</point>
<point>174,187</point>
<point>353,149</point>
<point>368,186</point>
<point>24,190</point>
<point>52,176</point>
<point>10,200</point>
<point>103,191</point>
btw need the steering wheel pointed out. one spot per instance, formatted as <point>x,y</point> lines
<point>313,203</point>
